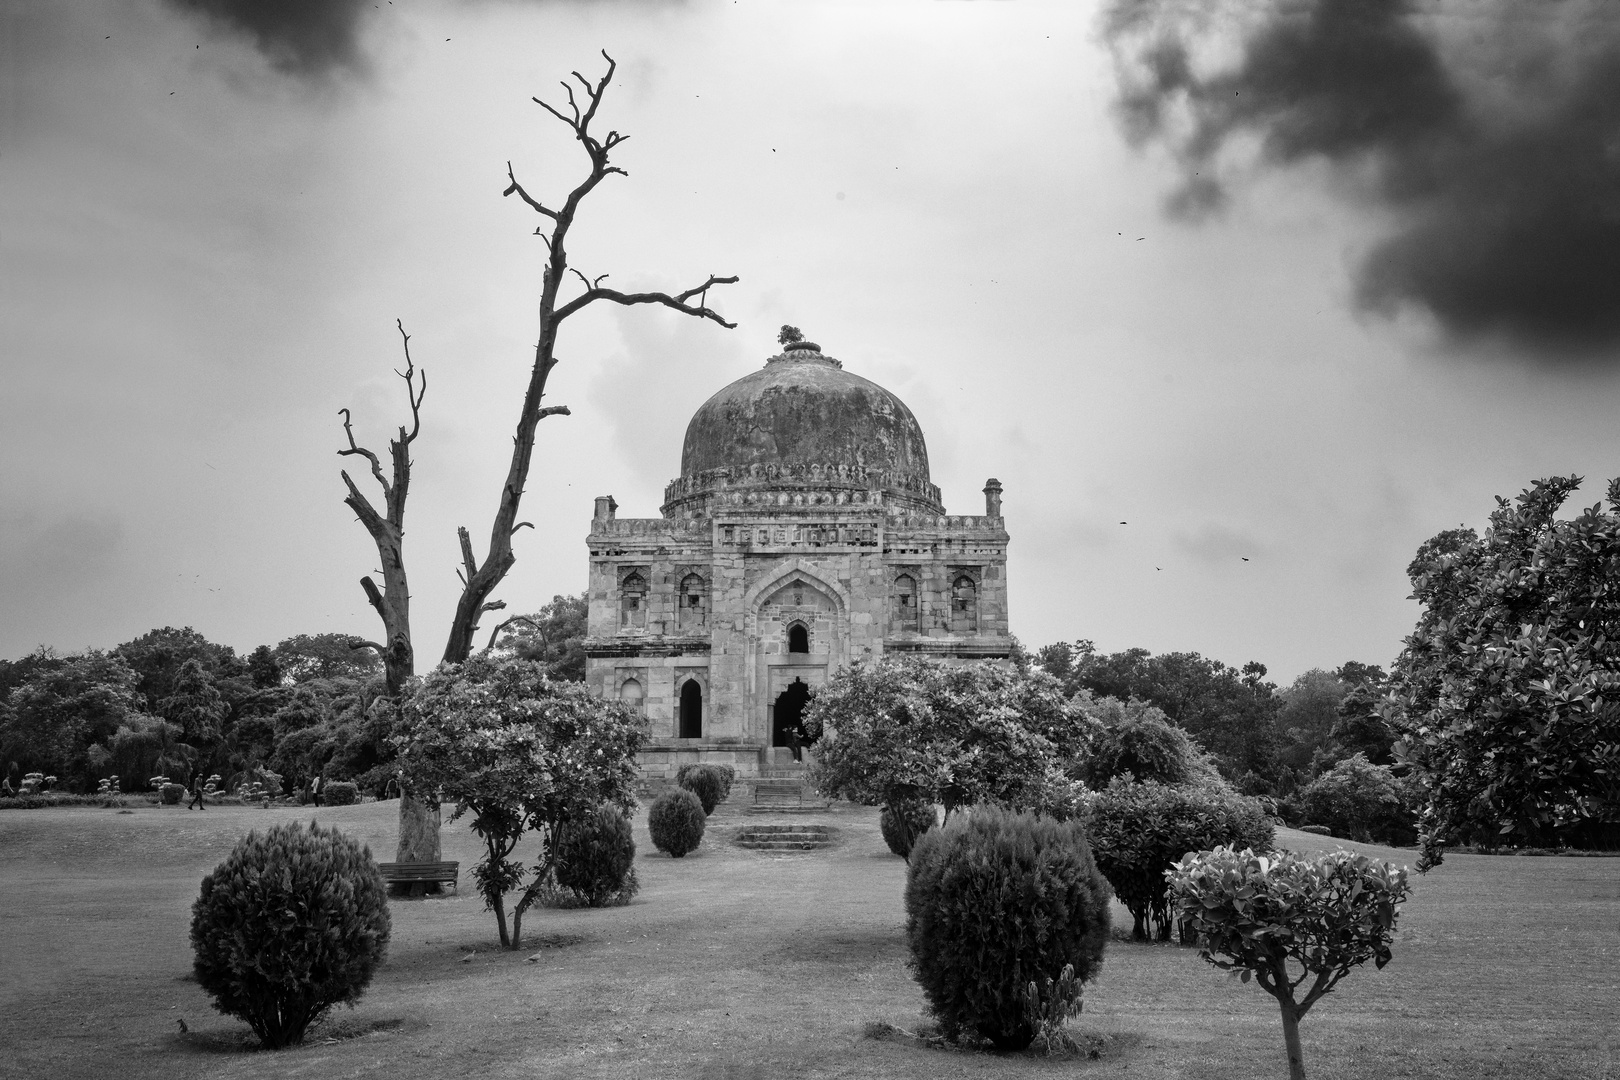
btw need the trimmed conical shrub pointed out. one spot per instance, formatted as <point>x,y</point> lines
<point>595,857</point>
<point>996,902</point>
<point>293,922</point>
<point>676,822</point>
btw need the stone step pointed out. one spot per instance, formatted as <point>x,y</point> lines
<point>784,837</point>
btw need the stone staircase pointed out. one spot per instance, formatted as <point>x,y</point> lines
<point>795,837</point>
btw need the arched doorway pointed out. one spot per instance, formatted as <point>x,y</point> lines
<point>786,717</point>
<point>691,710</point>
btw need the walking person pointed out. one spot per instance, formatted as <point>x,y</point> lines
<point>196,786</point>
<point>315,789</point>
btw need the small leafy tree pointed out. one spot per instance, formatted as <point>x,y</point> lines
<point>919,730</point>
<point>1268,917</point>
<point>1510,682</point>
<point>521,753</point>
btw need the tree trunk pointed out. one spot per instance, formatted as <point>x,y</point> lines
<point>499,904</point>
<point>418,830</point>
<point>1296,1055</point>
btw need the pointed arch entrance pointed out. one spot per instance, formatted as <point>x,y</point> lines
<point>787,715</point>
<point>691,711</point>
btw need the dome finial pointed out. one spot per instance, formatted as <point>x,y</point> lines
<point>789,335</point>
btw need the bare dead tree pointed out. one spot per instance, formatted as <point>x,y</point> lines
<point>393,601</point>
<point>479,579</point>
<point>418,817</point>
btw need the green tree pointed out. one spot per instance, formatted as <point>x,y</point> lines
<point>157,657</point>
<point>305,657</point>
<point>1231,711</point>
<point>521,753</point>
<point>194,706</point>
<point>553,636</point>
<point>1510,682</point>
<point>1306,713</point>
<point>1136,739</point>
<point>909,729</point>
<point>58,712</point>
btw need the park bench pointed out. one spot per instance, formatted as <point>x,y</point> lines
<point>409,873</point>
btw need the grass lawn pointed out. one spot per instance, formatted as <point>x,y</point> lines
<point>738,964</point>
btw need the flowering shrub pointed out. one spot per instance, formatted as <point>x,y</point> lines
<point>1268,917</point>
<point>520,752</point>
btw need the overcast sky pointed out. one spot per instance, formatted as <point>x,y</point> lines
<point>1239,306</point>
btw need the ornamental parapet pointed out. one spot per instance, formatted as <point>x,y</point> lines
<point>649,528</point>
<point>830,484</point>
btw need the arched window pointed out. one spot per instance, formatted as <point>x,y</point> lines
<point>964,605</point>
<point>694,603</point>
<point>798,638</point>
<point>633,602</point>
<point>905,603</point>
<point>689,718</point>
<point>631,693</point>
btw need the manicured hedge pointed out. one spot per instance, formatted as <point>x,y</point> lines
<point>1138,831</point>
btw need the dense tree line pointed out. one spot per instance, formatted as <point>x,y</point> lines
<point>171,702</point>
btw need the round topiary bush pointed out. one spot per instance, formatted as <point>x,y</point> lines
<point>1138,831</point>
<point>340,793</point>
<point>595,858</point>
<point>902,823</point>
<point>998,903</point>
<point>705,783</point>
<point>676,821</point>
<point>292,923</point>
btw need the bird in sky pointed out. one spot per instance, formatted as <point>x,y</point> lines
<point>1245,558</point>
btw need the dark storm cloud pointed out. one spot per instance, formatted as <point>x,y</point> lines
<point>1492,132</point>
<point>300,37</point>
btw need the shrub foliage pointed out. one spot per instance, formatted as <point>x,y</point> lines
<point>1139,831</point>
<point>339,793</point>
<point>595,856</point>
<point>293,922</point>
<point>995,902</point>
<point>705,783</point>
<point>1257,916</point>
<point>1360,801</point>
<point>903,822</point>
<point>725,774</point>
<point>676,822</point>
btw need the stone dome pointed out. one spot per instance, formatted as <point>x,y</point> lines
<point>803,419</point>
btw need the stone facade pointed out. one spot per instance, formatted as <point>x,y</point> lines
<point>767,572</point>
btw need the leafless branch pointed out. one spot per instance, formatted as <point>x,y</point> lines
<point>411,393</point>
<point>554,410</point>
<point>495,633</point>
<point>376,466</point>
<point>521,525</point>
<point>467,551</point>
<point>493,605</point>
<point>524,195</point>
<point>381,650</point>
<point>374,595</point>
<point>678,301</point>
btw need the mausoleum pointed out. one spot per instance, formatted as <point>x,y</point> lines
<point>803,535</point>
